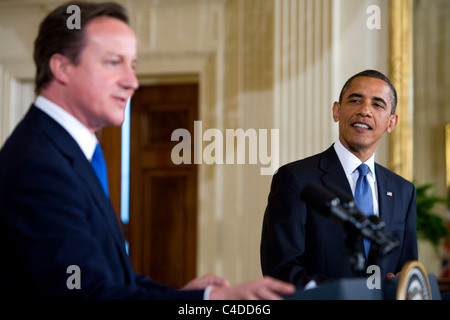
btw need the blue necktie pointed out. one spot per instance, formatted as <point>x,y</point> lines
<point>99,165</point>
<point>363,198</point>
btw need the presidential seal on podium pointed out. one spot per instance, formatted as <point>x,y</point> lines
<point>413,283</point>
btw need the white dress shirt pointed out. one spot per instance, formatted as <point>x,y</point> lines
<point>350,163</point>
<point>84,138</point>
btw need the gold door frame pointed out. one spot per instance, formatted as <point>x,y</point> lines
<point>447,156</point>
<point>401,75</point>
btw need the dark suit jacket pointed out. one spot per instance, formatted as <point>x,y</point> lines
<point>299,245</point>
<point>54,214</point>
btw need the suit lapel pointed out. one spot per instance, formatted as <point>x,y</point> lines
<point>84,170</point>
<point>70,149</point>
<point>334,175</point>
<point>333,171</point>
<point>386,197</point>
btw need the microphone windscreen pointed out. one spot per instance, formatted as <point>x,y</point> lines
<point>316,196</point>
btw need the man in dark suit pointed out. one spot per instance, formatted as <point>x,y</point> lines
<point>59,237</point>
<point>298,244</point>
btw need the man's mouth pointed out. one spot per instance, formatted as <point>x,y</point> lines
<point>120,99</point>
<point>361,125</point>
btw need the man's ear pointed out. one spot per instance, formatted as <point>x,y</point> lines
<point>336,108</point>
<point>59,66</point>
<point>393,120</point>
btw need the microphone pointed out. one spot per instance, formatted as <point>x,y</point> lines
<point>328,204</point>
<point>349,203</point>
<point>324,201</point>
<point>339,205</point>
<point>385,242</point>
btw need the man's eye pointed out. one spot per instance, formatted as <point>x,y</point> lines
<point>113,62</point>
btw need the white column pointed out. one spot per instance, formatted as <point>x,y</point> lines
<point>303,77</point>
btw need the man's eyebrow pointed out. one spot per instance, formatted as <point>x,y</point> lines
<point>119,55</point>
<point>112,53</point>
<point>359,95</point>
<point>355,95</point>
<point>380,100</point>
<point>116,53</point>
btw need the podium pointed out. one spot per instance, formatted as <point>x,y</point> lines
<point>413,284</point>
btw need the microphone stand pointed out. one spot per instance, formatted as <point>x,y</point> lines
<point>356,226</point>
<point>353,236</point>
<point>356,255</point>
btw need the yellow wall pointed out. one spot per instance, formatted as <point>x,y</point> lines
<point>262,64</point>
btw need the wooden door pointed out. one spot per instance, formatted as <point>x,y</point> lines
<point>162,226</point>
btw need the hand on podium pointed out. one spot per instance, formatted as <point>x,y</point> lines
<point>265,288</point>
<point>205,281</point>
<point>390,275</point>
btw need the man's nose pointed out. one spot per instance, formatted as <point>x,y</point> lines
<point>365,108</point>
<point>129,80</point>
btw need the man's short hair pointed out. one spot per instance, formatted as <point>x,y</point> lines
<point>373,74</point>
<point>54,35</point>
